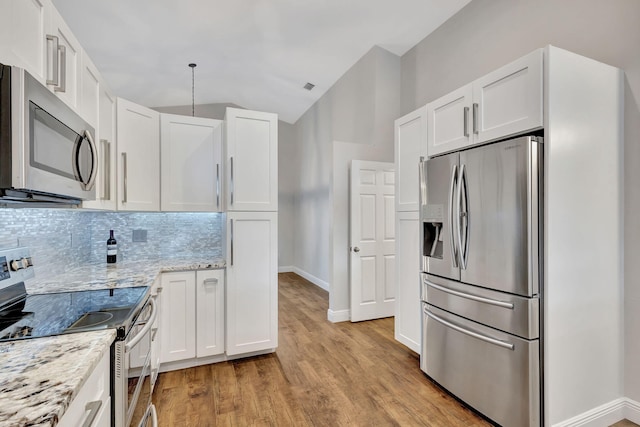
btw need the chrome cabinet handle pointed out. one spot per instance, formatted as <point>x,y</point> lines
<point>475,118</point>
<point>93,408</point>
<point>231,231</point>
<point>124,177</point>
<point>94,162</point>
<point>232,183</point>
<point>462,216</point>
<point>502,304</point>
<point>106,175</point>
<point>55,81</point>
<point>466,122</point>
<point>148,325</point>
<point>218,185</point>
<point>476,335</point>
<point>210,281</point>
<point>452,245</point>
<point>62,87</point>
<point>422,191</point>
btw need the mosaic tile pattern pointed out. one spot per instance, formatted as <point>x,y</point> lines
<point>62,239</point>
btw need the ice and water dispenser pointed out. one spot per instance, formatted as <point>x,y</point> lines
<point>432,232</point>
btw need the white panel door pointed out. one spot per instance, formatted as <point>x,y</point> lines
<point>408,314</point>
<point>252,282</point>
<point>139,157</point>
<point>191,151</point>
<point>410,145</point>
<point>89,91</point>
<point>209,312</point>
<point>449,122</point>
<point>23,41</point>
<point>178,323</point>
<point>508,101</point>
<point>372,237</point>
<point>251,160</point>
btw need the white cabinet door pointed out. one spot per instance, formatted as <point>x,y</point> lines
<point>252,282</point>
<point>89,104</point>
<point>449,122</point>
<point>251,160</point>
<point>191,151</point>
<point>178,323</point>
<point>106,131</point>
<point>23,35</point>
<point>508,101</point>
<point>209,312</point>
<point>410,145</point>
<point>69,60</point>
<point>408,315</point>
<point>138,134</point>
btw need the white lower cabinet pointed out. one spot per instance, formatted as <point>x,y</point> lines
<point>252,282</point>
<point>92,405</point>
<point>408,314</point>
<point>192,315</point>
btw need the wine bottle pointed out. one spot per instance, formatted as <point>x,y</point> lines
<point>112,248</point>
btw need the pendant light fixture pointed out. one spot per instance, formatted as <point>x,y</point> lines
<point>193,81</point>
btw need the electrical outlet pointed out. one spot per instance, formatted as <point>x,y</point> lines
<point>139,236</point>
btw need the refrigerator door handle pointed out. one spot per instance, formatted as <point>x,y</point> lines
<point>461,217</point>
<point>473,334</point>
<point>452,192</point>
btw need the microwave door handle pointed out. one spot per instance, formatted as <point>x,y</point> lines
<point>94,162</point>
<point>461,217</point>
<point>145,329</point>
<point>452,188</point>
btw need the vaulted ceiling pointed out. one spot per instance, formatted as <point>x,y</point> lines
<point>255,53</point>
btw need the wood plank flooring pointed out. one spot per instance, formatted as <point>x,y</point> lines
<point>322,374</point>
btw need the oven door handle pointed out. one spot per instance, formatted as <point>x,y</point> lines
<point>145,329</point>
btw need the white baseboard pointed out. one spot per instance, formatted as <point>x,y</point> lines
<point>606,415</point>
<point>335,316</point>
<point>285,269</point>
<point>313,279</point>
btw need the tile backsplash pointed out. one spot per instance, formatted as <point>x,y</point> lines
<point>65,238</point>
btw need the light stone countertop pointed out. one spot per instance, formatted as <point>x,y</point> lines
<point>40,377</point>
<point>120,275</point>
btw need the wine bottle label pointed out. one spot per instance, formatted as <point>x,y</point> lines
<point>112,249</point>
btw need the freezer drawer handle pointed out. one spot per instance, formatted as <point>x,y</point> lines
<point>497,303</point>
<point>470,333</point>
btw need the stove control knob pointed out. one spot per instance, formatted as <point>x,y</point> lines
<point>15,265</point>
<point>19,264</point>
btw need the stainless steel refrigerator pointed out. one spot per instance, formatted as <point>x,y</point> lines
<point>481,217</point>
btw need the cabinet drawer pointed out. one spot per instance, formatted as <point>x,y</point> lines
<point>506,312</point>
<point>496,373</point>
<point>93,399</point>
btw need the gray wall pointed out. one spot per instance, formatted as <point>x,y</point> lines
<point>489,33</point>
<point>353,120</point>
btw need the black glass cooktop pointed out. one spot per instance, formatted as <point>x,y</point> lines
<point>59,313</point>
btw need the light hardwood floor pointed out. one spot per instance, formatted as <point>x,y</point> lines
<point>322,374</point>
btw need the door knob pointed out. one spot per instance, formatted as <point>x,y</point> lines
<point>356,249</point>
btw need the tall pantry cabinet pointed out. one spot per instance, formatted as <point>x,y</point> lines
<point>410,146</point>
<point>251,171</point>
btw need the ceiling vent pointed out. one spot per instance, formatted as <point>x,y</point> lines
<point>309,86</point>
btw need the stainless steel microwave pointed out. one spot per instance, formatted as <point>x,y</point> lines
<point>47,151</point>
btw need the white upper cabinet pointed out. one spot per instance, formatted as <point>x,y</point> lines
<point>23,35</point>
<point>68,60</point>
<point>209,312</point>
<point>410,145</point>
<point>191,170</point>
<point>138,157</point>
<point>251,160</point>
<point>89,100</point>
<point>505,102</point>
<point>509,100</point>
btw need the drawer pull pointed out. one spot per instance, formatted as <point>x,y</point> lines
<point>476,335</point>
<point>489,301</point>
<point>210,281</point>
<point>93,408</point>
